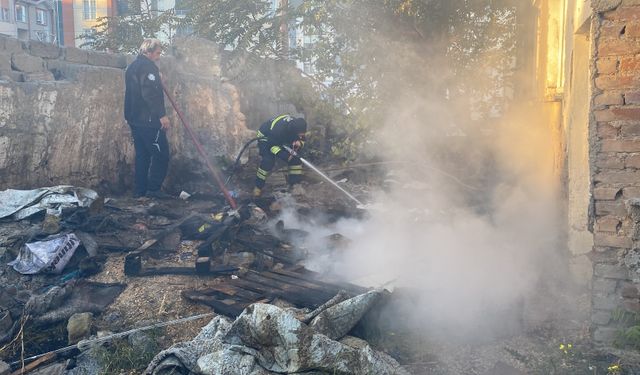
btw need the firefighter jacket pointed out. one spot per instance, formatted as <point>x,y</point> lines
<point>143,98</point>
<point>282,130</point>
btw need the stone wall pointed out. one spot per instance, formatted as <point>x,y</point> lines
<point>61,116</point>
<point>615,161</point>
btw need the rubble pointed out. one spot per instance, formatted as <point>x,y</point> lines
<point>243,260</point>
<point>311,316</point>
<point>81,296</point>
<point>78,327</point>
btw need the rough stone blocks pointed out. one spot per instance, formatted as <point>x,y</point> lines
<point>46,50</point>
<point>106,59</point>
<point>75,55</point>
<point>611,271</point>
<point>601,318</point>
<point>605,334</point>
<point>26,63</point>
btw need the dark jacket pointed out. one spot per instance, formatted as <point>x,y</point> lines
<point>143,97</point>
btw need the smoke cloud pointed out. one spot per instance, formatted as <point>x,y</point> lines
<point>469,223</point>
<point>469,220</point>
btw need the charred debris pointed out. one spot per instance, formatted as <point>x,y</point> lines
<point>256,260</point>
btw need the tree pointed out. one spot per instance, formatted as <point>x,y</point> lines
<point>448,61</point>
<point>372,55</point>
<point>124,33</point>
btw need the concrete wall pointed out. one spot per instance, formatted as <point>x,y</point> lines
<point>576,109</point>
<point>61,116</point>
<point>615,159</point>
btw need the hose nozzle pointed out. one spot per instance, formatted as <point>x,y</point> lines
<point>290,150</point>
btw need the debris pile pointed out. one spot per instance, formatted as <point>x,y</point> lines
<point>287,318</point>
<point>266,339</point>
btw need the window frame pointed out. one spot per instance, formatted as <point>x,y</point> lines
<point>5,14</point>
<point>44,14</point>
<point>89,10</point>
<point>24,17</point>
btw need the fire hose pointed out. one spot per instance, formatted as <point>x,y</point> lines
<point>237,162</point>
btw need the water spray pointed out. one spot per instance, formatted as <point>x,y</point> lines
<point>313,168</point>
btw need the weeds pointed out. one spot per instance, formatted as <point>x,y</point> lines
<point>629,334</point>
<point>122,356</point>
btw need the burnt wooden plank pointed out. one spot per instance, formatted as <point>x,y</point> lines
<point>225,307</point>
<point>301,299</point>
<point>292,293</point>
<point>315,277</point>
<point>329,291</point>
<point>234,291</point>
<point>154,271</point>
<point>253,287</point>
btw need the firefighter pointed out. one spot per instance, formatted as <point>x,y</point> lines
<point>273,134</point>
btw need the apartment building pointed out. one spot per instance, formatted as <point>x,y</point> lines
<point>30,19</point>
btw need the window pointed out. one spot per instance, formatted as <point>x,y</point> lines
<point>4,15</point>
<point>181,8</point>
<point>89,9</point>
<point>41,16</point>
<point>21,13</point>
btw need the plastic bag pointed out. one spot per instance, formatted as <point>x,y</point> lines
<point>48,256</point>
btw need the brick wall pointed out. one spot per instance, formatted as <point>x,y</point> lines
<point>615,156</point>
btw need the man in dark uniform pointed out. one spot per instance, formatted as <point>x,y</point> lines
<point>145,113</point>
<point>273,134</point>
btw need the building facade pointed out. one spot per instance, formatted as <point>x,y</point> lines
<point>30,20</point>
<point>586,64</point>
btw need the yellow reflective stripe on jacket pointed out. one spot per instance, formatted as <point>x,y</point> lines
<point>275,149</point>
<point>295,169</point>
<point>259,134</point>
<point>273,123</point>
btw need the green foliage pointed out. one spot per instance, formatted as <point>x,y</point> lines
<point>370,57</point>
<point>125,33</point>
<point>629,334</point>
<point>382,57</point>
<point>240,25</point>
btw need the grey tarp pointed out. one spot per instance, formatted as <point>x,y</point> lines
<point>21,204</point>
<point>266,339</point>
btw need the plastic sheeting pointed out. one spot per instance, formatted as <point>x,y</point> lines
<point>266,339</point>
<point>20,204</point>
<point>48,256</point>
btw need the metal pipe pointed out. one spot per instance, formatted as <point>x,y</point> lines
<point>213,171</point>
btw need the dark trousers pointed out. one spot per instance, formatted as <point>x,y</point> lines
<point>152,158</point>
<point>268,161</point>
